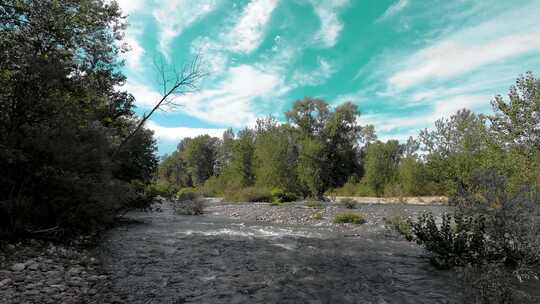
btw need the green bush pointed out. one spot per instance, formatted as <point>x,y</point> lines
<point>214,186</point>
<point>159,188</point>
<point>348,203</point>
<point>352,188</point>
<point>317,216</point>
<point>280,196</point>
<point>350,217</point>
<point>189,207</point>
<point>401,225</point>
<point>187,194</point>
<point>249,194</point>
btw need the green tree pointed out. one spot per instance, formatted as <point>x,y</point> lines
<point>62,116</point>
<point>381,164</point>
<point>200,155</point>
<point>310,166</point>
<point>275,156</point>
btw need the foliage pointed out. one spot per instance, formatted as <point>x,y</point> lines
<point>310,166</point>
<point>317,216</point>
<point>350,217</point>
<point>248,194</point>
<point>187,194</point>
<point>401,225</point>
<point>381,164</point>
<point>193,206</point>
<point>348,203</point>
<point>281,196</point>
<point>489,226</point>
<point>62,117</point>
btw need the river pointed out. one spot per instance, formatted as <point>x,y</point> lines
<point>166,258</point>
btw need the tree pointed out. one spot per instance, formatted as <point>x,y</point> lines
<point>310,166</point>
<point>62,116</point>
<point>200,155</point>
<point>241,169</point>
<point>309,116</point>
<point>341,135</point>
<point>381,164</point>
<point>275,156</point>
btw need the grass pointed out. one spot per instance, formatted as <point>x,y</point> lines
<point>350,217</point>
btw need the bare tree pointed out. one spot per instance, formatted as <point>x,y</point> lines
<point>173,83</point>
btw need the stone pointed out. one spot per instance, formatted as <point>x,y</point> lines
<point>34,266</point>
<point>4,282</point>
<point>18,267</point>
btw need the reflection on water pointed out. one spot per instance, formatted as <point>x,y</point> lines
<point>175,259</point>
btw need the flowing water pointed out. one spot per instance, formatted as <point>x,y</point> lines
<point>212,259</point>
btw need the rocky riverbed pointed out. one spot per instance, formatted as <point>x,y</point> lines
<point>235,253</point>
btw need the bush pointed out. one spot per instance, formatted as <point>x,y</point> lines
<point>249,194</point>
<point>187,194</point>
<point>350,217</point>
<point>352,188</point>
<point>189,207</point>
<point>317,216</point>
<point>315,204</point>
<point>214,186</point>
<point>281,196</point>
<point>348,203</point>
<point>488,227</point>
<point>401,225</point>
<point>160,188</point>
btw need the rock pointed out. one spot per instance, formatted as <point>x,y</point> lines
<point>33,266</point>
<point>18,267</point>
<point>60,287</point>
<point>4,282</point>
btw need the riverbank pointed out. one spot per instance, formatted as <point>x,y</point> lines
<point>43,272</point>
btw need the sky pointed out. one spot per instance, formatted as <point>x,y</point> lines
<point>405,63</point>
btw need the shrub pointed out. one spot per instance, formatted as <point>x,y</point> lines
<point>187,194</point>
<point>215,186</point>
<point>317,216</point>
<point>281,196</point>
<point>488,227</point>
<point>401,225</point>
<point>189,207</point>
<point>348,203</point>
<point>350,217</point>
<point>249,194</point>
<point>315,204</point>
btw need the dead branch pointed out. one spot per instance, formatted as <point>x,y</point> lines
<point>173,83</point>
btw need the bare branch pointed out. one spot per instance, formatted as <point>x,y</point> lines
<point>173,84</point>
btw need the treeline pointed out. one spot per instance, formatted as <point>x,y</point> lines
<point>62,120</point>
<point>320,150</point>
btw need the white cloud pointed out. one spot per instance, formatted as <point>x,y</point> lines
<point>145,96</point>
<point>315,77</point>
<point>129,6</point>
<point>247,34</point>
<point>135,54</point>
<point>452,58</point>
<point>174,16</point>
<point>175,134</point>
<point>394,9</point>
<point>331,25</point>
<point>230,101</point>
<point>445,107</point>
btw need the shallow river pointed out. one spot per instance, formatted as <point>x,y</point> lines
<point>213,259</point>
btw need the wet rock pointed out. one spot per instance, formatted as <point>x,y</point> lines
<point>18,267</point>
<point>4,282</point>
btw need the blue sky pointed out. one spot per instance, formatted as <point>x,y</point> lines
<point>405,63</point>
